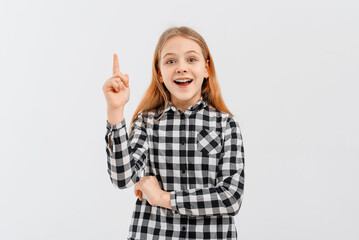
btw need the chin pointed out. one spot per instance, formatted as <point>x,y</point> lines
<point>186,97</point>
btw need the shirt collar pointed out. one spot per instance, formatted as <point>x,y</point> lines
<point>199,105</point>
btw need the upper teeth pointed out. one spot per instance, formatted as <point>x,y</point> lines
<point>183,80</point>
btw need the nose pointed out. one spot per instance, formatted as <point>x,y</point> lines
<point>181,68</point>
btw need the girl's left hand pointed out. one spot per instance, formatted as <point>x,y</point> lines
<point>149,186</point>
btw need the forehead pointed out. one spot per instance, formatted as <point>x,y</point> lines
<point>180,45</point>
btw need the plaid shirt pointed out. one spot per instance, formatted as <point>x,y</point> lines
<point>196,155</point>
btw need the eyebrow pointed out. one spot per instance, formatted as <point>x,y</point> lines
<point>191,51</point>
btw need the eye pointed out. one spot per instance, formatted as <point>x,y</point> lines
<point>192,59</point>
<point>170,61</point>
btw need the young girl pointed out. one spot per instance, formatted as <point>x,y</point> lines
<point>184,152</point>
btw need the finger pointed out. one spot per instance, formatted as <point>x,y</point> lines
<point>121,85</point>
<point>124,78</point>
<point>115,86</point>
<point>136,190</point>
<point>116,66</point>
<point>116,80</point>
<point>137,193</point>
<point>127,80</point>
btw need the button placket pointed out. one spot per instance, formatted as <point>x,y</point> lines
<point>183,147</point>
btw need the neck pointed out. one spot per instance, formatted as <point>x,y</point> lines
<point>184,105</point>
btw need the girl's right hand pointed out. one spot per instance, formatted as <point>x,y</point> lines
<point>116,89</point>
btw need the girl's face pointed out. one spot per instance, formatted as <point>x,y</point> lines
<point>182,69</point>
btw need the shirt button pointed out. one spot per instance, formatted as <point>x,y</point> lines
<point>182,142</point>
<point>182,116</point>
<point>183,228</point>
<point>176,212</point>
<point>183,171</point>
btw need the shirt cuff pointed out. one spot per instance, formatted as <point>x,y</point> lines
<point>116,126</point>
<point>173,203</point>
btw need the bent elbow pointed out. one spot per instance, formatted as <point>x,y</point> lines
<point>120,181</point>
<point>120,184</point>
<point>124,182</point>
<point>234,209</point>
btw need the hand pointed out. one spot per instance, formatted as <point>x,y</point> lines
<point>116,89</point>
<point>149,186</point>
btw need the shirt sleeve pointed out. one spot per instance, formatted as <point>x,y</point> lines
<point>226,197</point>
<point>126,155</point>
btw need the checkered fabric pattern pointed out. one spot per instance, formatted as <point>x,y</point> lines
<point>196,155</point>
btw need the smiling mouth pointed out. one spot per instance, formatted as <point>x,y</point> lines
<point>183,82</point>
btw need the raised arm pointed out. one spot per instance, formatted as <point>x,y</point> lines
<point>126,155</point>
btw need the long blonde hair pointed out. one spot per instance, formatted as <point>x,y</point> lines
<point>157,96</point>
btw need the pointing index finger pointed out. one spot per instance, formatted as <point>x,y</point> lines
<point>116,66</point>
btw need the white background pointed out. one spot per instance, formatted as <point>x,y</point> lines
<point>288,70</point>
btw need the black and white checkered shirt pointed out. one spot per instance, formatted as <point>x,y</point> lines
<point>196,155</point>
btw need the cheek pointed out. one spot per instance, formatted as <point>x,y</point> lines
<point>168,84</point>
<point>166,73</point>
<point>200,70</point>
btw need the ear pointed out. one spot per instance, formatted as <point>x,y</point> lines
<point>207,69</point>
<point>160,77</point>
